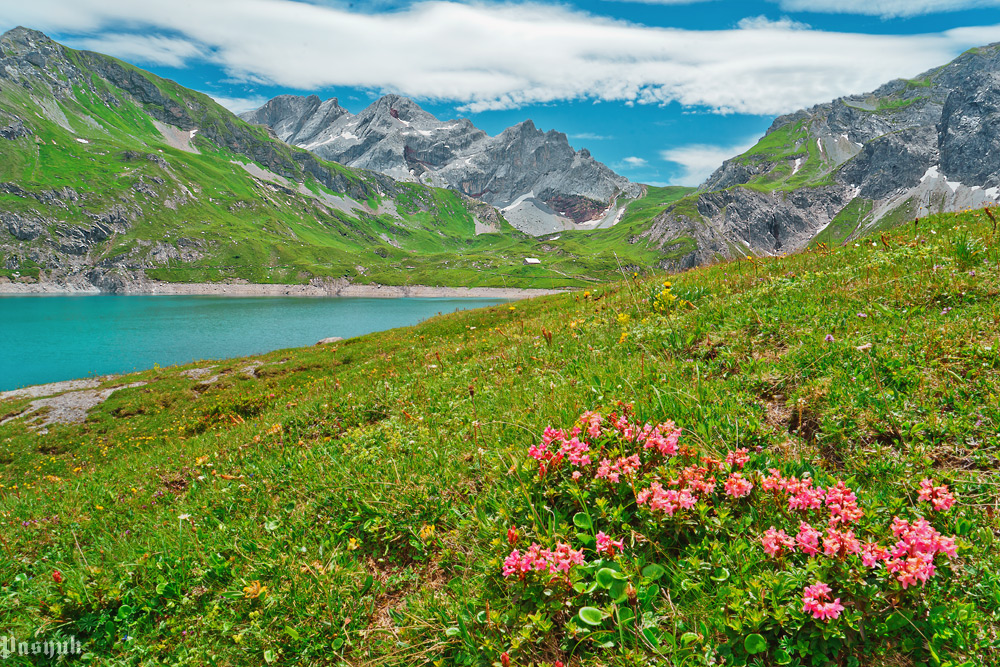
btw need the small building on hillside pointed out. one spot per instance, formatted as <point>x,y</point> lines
<point>528,261</point>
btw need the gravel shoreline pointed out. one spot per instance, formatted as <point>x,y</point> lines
<point>316,288</point>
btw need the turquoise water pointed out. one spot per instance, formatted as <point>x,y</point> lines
<point>52,338</point>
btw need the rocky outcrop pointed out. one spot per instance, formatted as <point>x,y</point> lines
<point>535,177</point>
<point>909,148</point>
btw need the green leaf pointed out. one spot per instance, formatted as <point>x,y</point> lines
<point>591,615</point>
<point>271,526</point>
<point>606,577</point>
<point>337,643</point>
<point>369,580</point>
<point>452,632</point>
<point>269,656</point>
<point>721,574</point>
<point>689,638</point>
<point>653,572</point>
<point>582,521</point>
<point>124,612</point>
<point>292,632</point>
<point>618,590</point>
<point>755,644</point>
<point>781,657</point>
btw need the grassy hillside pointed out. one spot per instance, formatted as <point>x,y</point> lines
<point>356,503</point>
<point>123,172</point>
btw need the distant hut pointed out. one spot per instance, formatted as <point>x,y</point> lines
<point>528,261</point>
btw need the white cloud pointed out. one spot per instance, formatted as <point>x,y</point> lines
<point>698,161</point>
<point>764,23</point>
<point>885,8</point>
<point>505,55</point>
<point>591,136</point>
<point>633,162</point>
<point>238,104</point>
<point>141,49</point>
<point>662,2</point>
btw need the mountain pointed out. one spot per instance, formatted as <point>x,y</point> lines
<point>111,176</point>
<point>539,182</point>
<point>852,167</point>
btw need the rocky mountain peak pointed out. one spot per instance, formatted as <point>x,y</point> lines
<point>538,180</point>
<point>838,170</point>
<point>21,40</point>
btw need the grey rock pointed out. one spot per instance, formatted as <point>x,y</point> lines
<point>22,229</point>
<point>394,136</point>
<point>331,339</point>
<point>911,147</point>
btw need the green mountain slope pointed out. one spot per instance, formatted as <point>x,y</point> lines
<point>852,167</point>
<point>111,176</point>
<point>355,503</point>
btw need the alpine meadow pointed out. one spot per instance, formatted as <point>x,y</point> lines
<point>751,421</point>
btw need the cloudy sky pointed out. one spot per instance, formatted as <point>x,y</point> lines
<point>661,90</point>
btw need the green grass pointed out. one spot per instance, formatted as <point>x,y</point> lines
<point>349,503</point>
<point>845,223</point>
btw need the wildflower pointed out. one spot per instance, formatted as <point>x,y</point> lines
<point>738,458</point>
<point>843,504</point>
<point>668,501</point>
<point>612,472</point>
<point>57,576</point>
<point>808,539</point>
<point>737,487</point>
<point>840,543</point>
<point>608,546</point>
<point>862,315</point>
<point>872,554</point>
<point>254,590</point>
<point>536,559</point>
<point>512,536</point>
<point>662,437</point>
<point>816,601</point>
<point>505,659</point>
<point>804,495</point>
<point>829,338</point>
<point>939,496</point>
<point>776,541</point>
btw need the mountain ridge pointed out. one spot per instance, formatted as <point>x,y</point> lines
<point>846,168</point>
<point>540,182</point>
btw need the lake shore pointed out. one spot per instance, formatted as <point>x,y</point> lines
<point>316,288</point>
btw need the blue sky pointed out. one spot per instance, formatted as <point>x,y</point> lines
<point>660,90</point>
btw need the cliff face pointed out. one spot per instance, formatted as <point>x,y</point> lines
<point>842,169</point>
<point>536,177</point>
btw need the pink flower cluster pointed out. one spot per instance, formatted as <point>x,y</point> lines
<point>776,542</point>
<point>667,501</point>
<point>537,559</point>
<point>558,445</point>
<point>940,498</point>
<point>607,546</point>
<point>626,465</point>
<point>567,446</point>
<point>841,501</point>
<point>738,487</point>
<point>738,458</point>
<point>816,601</point>
<point>912,557</point>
